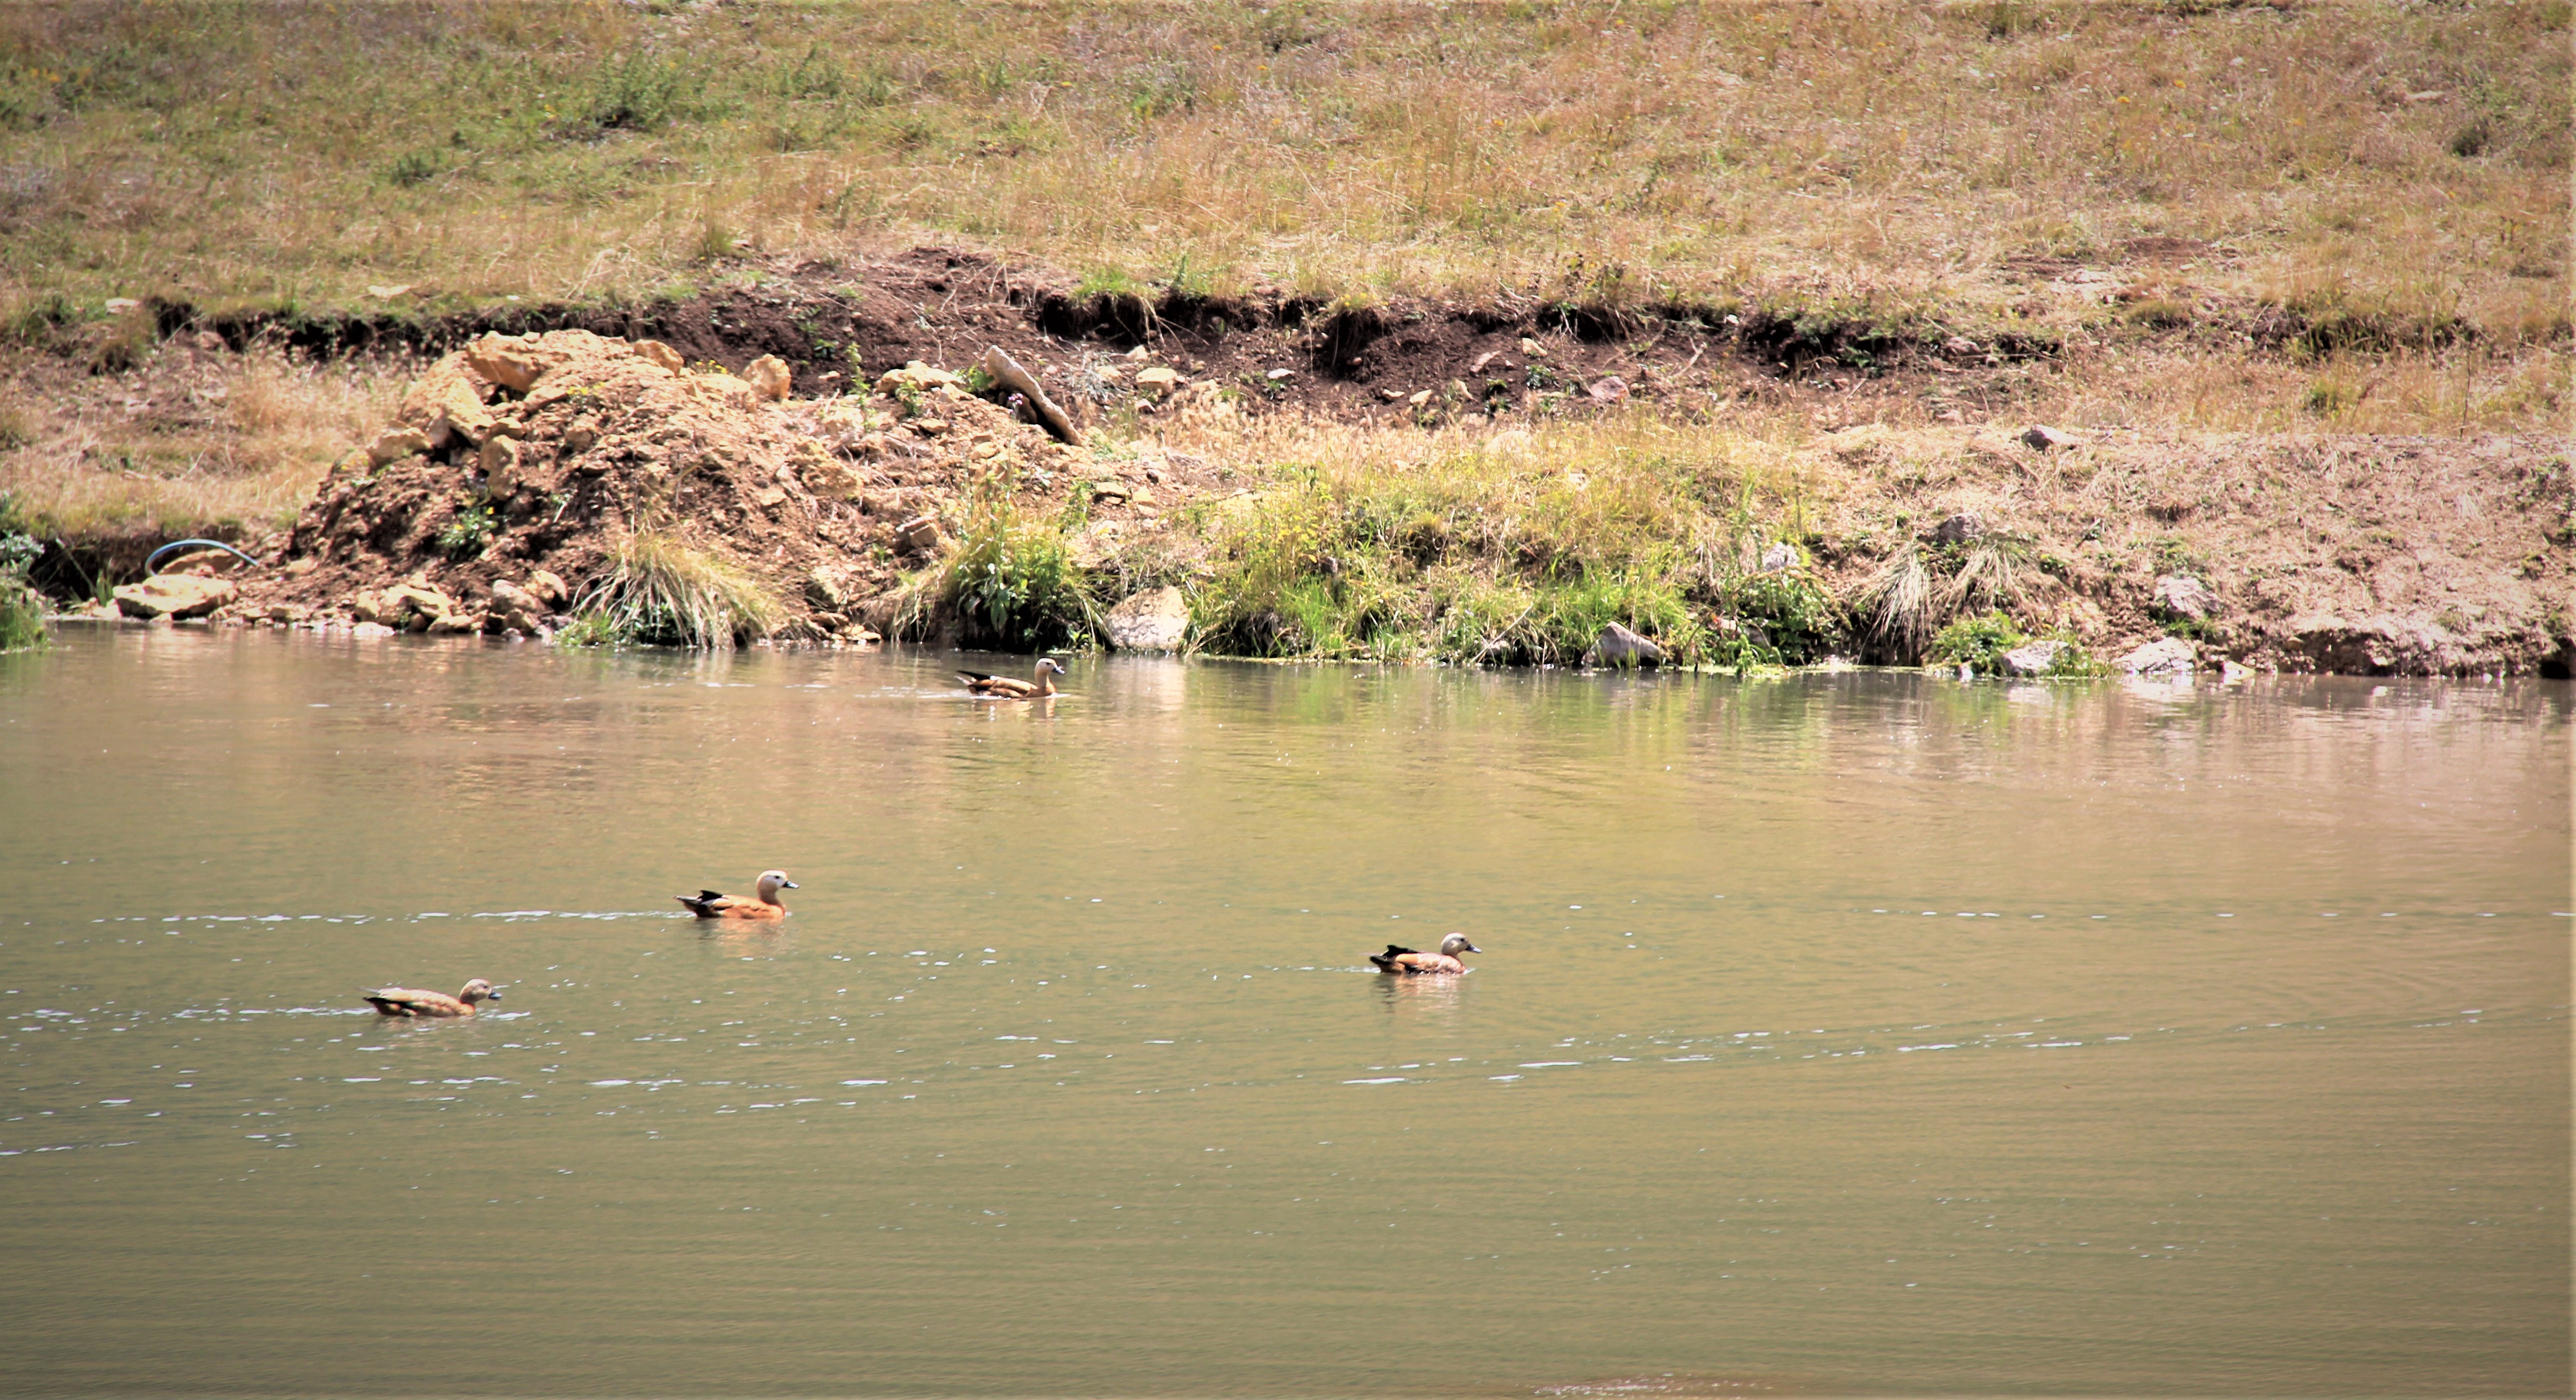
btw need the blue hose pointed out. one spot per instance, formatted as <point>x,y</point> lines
<point>155,556</point>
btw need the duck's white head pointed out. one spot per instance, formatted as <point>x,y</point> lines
<point>1049,663</point>
<point>1457,943</point>
<point>771,882</point>
<point>478,990</point>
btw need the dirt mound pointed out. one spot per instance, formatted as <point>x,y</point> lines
<point>525,477</point>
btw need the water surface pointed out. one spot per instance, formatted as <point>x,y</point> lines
<point>1841,1033</point>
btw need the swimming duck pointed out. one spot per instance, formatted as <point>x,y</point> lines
<point>709,904</point>
<point>1409,962</point>
<point>1011,688</point>
<point>412,1001</point>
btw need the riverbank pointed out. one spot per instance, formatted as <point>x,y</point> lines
<point>527,482</point>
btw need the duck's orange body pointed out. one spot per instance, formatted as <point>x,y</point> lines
<point>1405,961</point>
<point>412,1001</point>
<point>1012,688</point>
<point>709,904</point>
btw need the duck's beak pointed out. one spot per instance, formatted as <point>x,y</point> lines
<point>495,994</point>
<point>789,885</point>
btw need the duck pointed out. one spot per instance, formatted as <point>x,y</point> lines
<point>1012,688</point>
<point>1399,959</point>
<point>710,904</point>
<point>412,1001</point>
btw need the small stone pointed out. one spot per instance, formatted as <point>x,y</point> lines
<point>658,353</point>
<point>508,597</point>
<point>922,535</point>
<point>396,443</point>
<point>1418,399</point>
<point>917,376</point>
<point>174,596</point>
<point>446,403</point>
<point>2230,672</point>
<point>1960,528</point>
<point>2171,657</point>
<point>1782,555</point>
<point>2034,659</point>
<point>1618,646</point>
<point>1959,345</point>
<point>451,624</point>
<point>506,360</point>
<point>419,600</point>
<point>1281,376</point>
<point>1157,619</point>
<point>2043,437</point>
<point>500,462</point>
<point>371,629</point>
<point>2182,596</point>
<point>1533,349</point>
<point>550,588</point>
<point>1160,381</point>
<point>828,590</point>
<point>769,377</point>
<point>1609,388</point>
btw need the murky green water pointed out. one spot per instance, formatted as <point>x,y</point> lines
<point>1843,1033</point>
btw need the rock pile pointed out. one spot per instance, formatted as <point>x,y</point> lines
<point>495,499</point>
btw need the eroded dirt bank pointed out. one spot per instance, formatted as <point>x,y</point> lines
<point>785,464</point>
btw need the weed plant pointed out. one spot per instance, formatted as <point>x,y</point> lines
<point>1978,642</point>
<point>661,592</point>
<point>1011,580</point>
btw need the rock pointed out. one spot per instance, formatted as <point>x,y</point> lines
<point>2033,660</point>
<point>508,597</point>
<point>446,403</point>
<point>507,360</point>
<point>2171,657</point>
<point>1782,555</point>
<point>1609,388</point>
<point>1959,345</point>
<point>371,629</point>
<point>2182,596</point>
<point>2044,438</point>
<point>922,534</point>
<point>1533,349</point>
<point>1960,528</point>
<point>1157,619</point>
<point>658,353</point>
<point>917,376</point>
<point>549,588</point>
<point>1617,646</point>
<point>396,443</point>
<point>500,463</point>
<point>449,624</point>
<point>368,605</point>
<point>418,600</point>
<point>2230,673</point>
<point>1418,399</point>
<point>1159,381</point>
<point>174,595</point>
<point>769,377</point>
<point>827,590</point>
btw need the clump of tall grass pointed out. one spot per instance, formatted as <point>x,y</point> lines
<point>660,591</point>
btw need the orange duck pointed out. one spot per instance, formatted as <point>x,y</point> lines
<point>412,1001</point>
<point>1012,688</point>
<point>1407,962</point>
<point>708,904</point>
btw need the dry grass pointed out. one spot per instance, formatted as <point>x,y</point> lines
<point>2396,160</point>
<point>659,589</point>
<point>186,441</point>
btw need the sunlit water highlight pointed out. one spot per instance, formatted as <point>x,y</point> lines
<point>1863,1032</point>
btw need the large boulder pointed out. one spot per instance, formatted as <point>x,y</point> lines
<point>507,360</point>
<point>2035,659</point>
<point>1157,619</point>
<point>2183,597</point>
<point>2171,657</point>
<point>1618,646</point>
<point>174,595</point>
